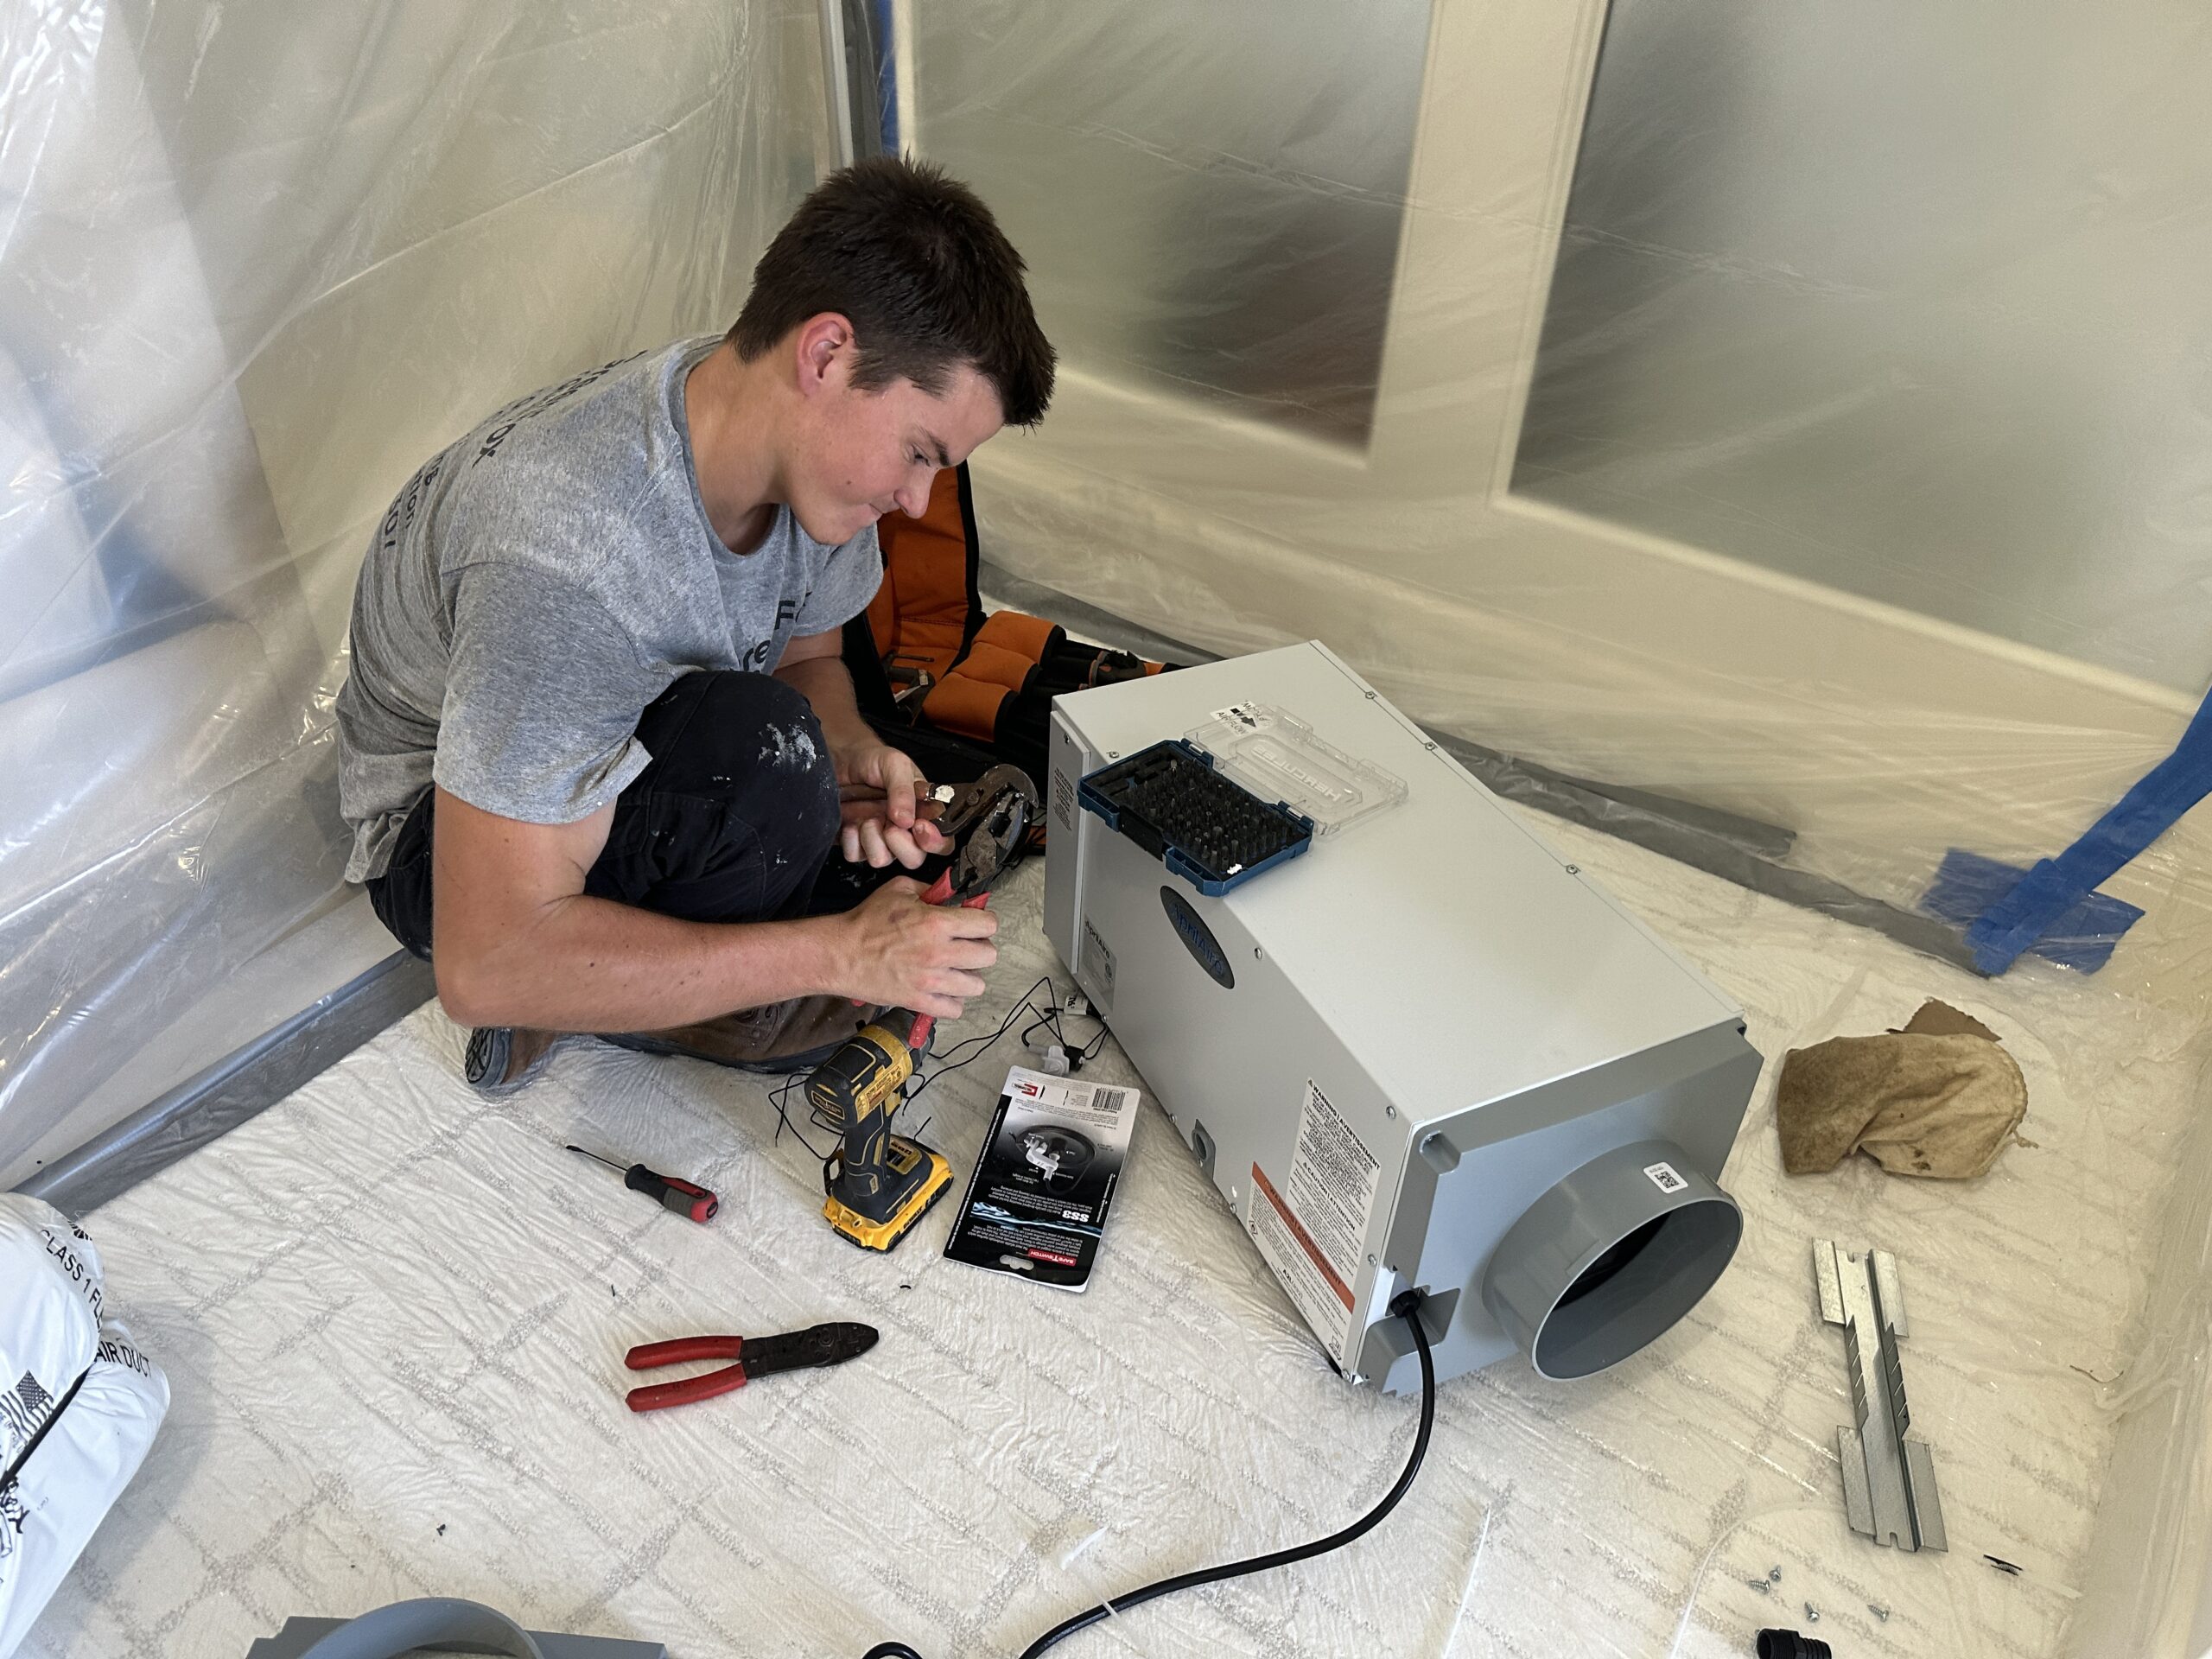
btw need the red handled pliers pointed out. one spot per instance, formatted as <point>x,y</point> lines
<point>821,1344</point>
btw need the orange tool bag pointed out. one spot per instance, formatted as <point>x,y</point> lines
<point>956,689</point>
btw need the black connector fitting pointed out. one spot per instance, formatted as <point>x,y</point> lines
<point>1404,1304</point>
<point>1790,1645</point>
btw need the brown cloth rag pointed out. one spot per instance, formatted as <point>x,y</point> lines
<point>1939,1098</point>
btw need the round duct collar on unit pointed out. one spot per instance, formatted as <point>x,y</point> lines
<point>1610,1258</point>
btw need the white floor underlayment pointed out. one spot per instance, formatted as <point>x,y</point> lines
<point>393,1315</point>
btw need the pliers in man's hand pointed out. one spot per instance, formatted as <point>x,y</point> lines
<point>988,819</point>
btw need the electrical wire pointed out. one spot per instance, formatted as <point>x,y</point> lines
<point>779,1097</point>
<point>1051,1019</point>
<point>1406,1305</point>
<point>1051,1012</point>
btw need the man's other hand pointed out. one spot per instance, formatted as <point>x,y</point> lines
<point>879,790</point>
<point>903,953</point>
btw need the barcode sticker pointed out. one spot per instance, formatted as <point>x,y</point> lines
<point>1110,1099</point>
<point>1664,1177</point>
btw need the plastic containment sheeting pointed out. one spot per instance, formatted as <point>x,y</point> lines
<point>257,261</point>
<point>1798,420</point>
<point>1646,394</point>
<point>1497,526</point>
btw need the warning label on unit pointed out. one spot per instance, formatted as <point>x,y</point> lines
<point>1322,1297</point>
<point>1098,964</point>
<point>1311,1228</point>
<point>1331,1185</point>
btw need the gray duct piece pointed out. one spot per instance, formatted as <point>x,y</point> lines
<point>1609,1257</point>
<point>437,1624</point>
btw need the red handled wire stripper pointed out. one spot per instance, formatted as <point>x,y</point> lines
<point>821,1344</point>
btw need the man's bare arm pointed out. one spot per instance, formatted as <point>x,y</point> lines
<point>517,940</point>
<point>814,664</point>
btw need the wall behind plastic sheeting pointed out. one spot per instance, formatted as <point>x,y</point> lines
<point>1192,250</point>
<point>1880,423</point>
<point>1878,734</point>
<point>1917,307</point>
<point>257,260</point>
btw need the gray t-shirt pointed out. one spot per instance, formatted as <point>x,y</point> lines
<point>540,581</point>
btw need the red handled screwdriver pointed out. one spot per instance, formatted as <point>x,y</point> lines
<point>684,1197</point>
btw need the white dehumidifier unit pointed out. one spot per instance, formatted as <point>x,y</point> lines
<point>1411,1044</point>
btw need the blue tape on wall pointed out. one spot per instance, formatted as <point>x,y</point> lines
<point>886,77</point>
<point>2081,939</point>
<point>2042,902</point>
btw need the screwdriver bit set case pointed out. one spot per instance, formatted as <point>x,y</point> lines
<point>1245,792</point>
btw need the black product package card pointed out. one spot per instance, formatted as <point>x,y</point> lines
<point>1045,1179</point>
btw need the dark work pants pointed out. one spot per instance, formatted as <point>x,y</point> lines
<point>733,822</point>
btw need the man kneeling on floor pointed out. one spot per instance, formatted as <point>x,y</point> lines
<point>598,744</point>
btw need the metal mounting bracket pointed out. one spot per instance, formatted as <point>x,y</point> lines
<point>1888,1480</point>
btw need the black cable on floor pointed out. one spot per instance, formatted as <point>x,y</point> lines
<point>1407,1306</point>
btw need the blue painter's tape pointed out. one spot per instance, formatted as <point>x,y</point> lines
<point>886,76</point>
<point>2081,939</point>
<point>2052,889</point>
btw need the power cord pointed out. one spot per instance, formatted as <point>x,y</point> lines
<point>1406,1305</point>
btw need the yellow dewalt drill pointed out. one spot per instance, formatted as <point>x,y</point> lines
<point>878,1185</point>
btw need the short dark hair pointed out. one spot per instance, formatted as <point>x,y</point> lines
<point>928,279</point>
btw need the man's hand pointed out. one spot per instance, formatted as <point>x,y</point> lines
<point>879,788</point>
<point>878,785</point>
<point>898,951</point>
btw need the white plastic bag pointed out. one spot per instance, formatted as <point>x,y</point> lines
<point>78,1406</point>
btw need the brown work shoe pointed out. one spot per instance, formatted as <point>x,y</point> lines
<point>793,1036</point>
<point>501,1058</point>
